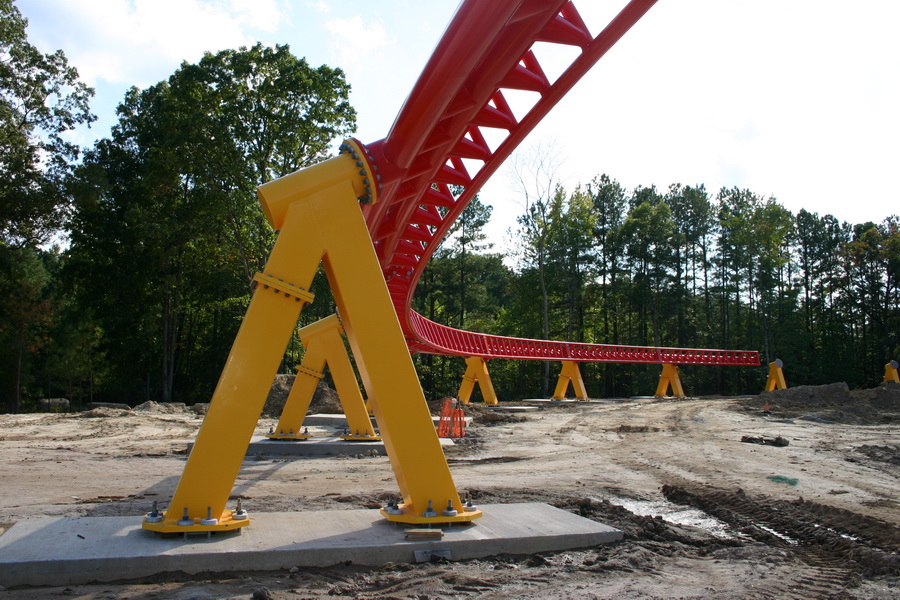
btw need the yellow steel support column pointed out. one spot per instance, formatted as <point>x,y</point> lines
<point>477,371</point>
<point>310,371</point>
<point>317,213</point>
<point>669,377</point>
<point>890,372</point>
<point>570,373</point>
<point>324,345</point>
<point>776,376</point>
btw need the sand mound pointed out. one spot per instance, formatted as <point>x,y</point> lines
<point>325,400</point>
<point>834,403</point>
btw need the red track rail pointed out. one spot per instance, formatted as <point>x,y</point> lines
<point>488,48</point>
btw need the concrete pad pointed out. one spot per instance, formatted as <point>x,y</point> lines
<point>340,421</point>
<point>335,421</point>
<point>72,551</point>
<point>314,446</point>
<point>567,401</point>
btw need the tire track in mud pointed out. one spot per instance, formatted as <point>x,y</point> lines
<point>839,546</point>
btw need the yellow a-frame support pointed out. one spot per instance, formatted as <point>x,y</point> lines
<point>317,212</point>
<point>570,373</point>
<point>776,376</point>
<point>477,371</point>
<point>669,378</point>
<point>324,345</point>
<point>890,372</point>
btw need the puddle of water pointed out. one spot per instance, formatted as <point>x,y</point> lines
<point>780,536</point>
<point>674,513</point>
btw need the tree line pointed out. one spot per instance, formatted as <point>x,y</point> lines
<point>125,267</point>
<point>680,267</point>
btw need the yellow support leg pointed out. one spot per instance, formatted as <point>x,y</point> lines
<point>310,371</point>
<point>324,346</point>
<point>570,373</point>
<point>316,210</point>
<point>358,421</point>
<point>669,378</point>
<point>477,371</point>
<point>776,376</point>
<point>890,372</point>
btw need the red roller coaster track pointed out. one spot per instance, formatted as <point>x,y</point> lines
<point>488,49</point>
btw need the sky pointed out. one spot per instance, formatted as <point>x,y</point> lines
<point>792,99</point>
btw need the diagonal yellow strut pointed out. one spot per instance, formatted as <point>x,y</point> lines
<point>669,378</point>
<point>775,380</point>
<point>570,373</point>
<point>477,372</point>
<point>324,345</point>
<point>317,213</point>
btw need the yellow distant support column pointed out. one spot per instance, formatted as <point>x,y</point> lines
<point>890,372</point>
<point>324,345</point>
<point>570,373</point>
<point>776,376</point>
<point>477,371</point>
<point>669,378</point>
<point>310,371</point>
<point>317,213</point>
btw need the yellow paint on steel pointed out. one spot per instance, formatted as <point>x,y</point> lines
<point>325,346</point>
<point>343,376</point>
<point>570,373</point>
<point>309,372</point>
<point>407,514</point>
<point>776,376</point>
<point>317,213</point>
<point>477,371</point>
<point>670,377</point>
<point>890,372</point>
<point>279,286</point>
<point>226,523</point>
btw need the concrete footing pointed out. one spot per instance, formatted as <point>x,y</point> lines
<point>315,446</point>
<point>70,551</point>
<point>339,421</point>
<point>567,401</point>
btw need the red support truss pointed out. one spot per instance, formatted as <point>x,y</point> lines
<point>436,157</point>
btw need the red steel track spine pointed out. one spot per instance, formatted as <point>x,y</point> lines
<point>438,135</point>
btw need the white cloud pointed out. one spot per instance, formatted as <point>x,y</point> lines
<point>265,15</point>
<point>320,7</point>
<point>354,42</point>
<point>142,41</point>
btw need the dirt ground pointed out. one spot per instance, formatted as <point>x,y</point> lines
<point>705,514</point>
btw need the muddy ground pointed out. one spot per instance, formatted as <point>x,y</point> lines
<point>705,514</point>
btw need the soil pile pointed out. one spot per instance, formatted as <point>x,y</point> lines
<point>325,400</point>
<point>833,403</point>
<point>162,408</point>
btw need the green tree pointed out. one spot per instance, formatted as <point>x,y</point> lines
<point>649,240</point>
<point>820,242</point>
<point>25,315</point>
<point>41,99</point>
<point>871,268</point>
<point>167,231</point>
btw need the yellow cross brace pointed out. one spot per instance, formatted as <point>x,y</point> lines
<point>317,213</point>
<point>570,373</point>
<point>324,345</point>
<point>776,376</point>
<point>669,378</point>
<point>477,371</point>
<point>890,372</point>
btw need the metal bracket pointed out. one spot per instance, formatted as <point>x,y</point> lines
<point>311,372</point>
<point>280,287</point>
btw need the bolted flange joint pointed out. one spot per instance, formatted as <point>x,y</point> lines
<point>368,170</point>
